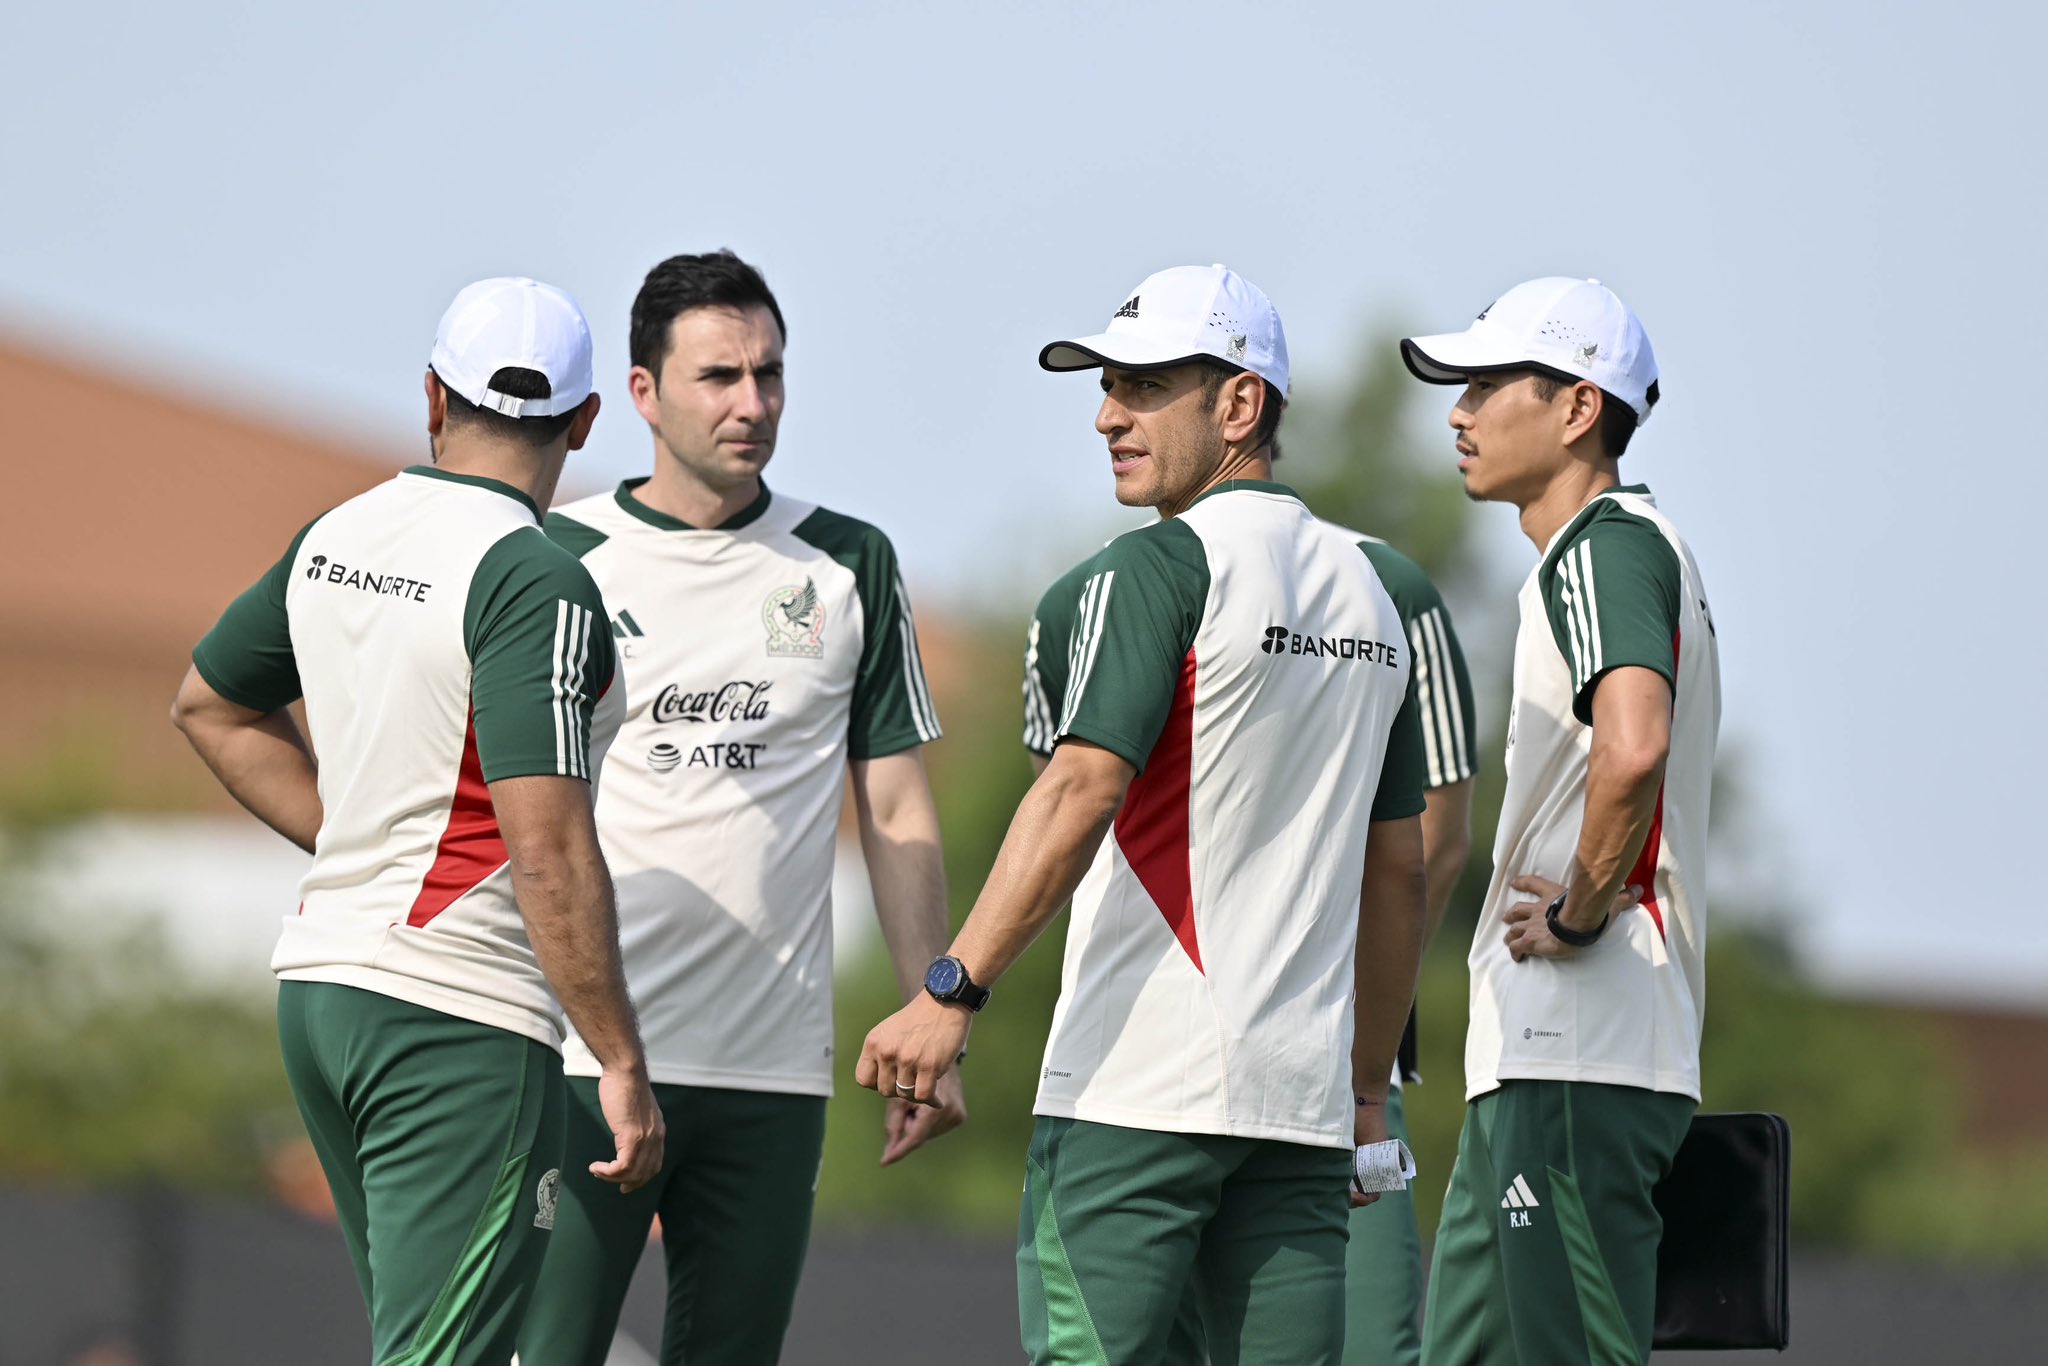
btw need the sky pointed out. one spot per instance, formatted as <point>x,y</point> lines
<point>1827,215</point>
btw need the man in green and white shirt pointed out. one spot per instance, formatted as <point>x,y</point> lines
<point>1236,719</point>
<point>460,689</point>
<point>1384,1274</point>
<point>1588,967</point>
<point>768,648</point>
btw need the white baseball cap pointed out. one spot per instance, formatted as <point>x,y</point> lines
<point>514,321</point>
<point>1178,315</point>
<point>1577,328</point>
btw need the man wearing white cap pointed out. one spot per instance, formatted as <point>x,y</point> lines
<point>457,677</point>
<point>1588,987</point>
<point>1237,717</point>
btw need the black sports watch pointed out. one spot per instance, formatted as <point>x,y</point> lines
<point>1565,934</point>
<point>947,981</point>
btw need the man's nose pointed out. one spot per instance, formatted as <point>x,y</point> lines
<point>748,403</point>
<point>1111,418</point>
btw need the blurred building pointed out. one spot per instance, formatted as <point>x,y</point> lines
<point>137,516</point>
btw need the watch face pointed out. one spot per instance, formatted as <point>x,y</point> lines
<point>942,978</point>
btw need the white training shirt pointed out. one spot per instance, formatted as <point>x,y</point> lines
<point>1616,587</point>
<point>441,643</point>
<point>1248,661</point>
<point>759,657</point>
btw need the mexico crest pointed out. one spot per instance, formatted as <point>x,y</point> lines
<point>796,622</point>
<point>545,1196</point>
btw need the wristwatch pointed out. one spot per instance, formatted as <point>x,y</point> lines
<point>1565,934</point>
<point>947,981</point>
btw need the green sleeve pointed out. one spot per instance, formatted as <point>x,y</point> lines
<point>573,536</point>
<point>1135,621</point>
<point>1045,659</point>
<point>247,656</point>
<point>1612,593</point>
<point>892,704</point>
<point>1403,773</point>
<point>540,656</point>
<point>1443,685</point>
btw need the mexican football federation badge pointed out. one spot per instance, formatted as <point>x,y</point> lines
<point>545,1196</point>
<point>796,622</point>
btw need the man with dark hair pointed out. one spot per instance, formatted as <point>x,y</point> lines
<point>1236,720</point>
<point>1588,966</point>
<point>769,649</point>
<point>459,686</point>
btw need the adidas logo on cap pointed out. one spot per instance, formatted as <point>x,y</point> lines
<point>1129,310</point>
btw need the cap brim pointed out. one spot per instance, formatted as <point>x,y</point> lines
<point>1125,350</point>
<point>1449,357</point>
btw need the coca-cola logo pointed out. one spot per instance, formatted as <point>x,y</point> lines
<point>739,700</point>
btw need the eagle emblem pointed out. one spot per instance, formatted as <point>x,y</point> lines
<point>795,619</point>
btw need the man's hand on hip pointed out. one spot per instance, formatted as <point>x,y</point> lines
<point>1529,933</point>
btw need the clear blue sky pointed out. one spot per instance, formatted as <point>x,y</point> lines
<point>1829,215</point>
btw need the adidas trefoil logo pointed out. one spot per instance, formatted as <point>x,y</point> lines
<point>1129,310</point>
<point>1519,1201</point>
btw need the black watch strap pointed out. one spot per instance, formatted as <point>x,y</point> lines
<point>964,991</point>
<point>1565,934</point>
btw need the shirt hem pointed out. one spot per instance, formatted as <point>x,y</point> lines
<point>661,1074</point>
<point>1668,1082</point>
<point>1191,1124</point>
<point>409,989</point>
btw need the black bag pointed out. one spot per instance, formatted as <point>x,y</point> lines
<point>1721,1273</point>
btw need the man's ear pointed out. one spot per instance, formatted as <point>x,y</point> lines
<point>437,404</point>
<point>586,417</point>
<point>1583,405</point>
<point>1244,403</point>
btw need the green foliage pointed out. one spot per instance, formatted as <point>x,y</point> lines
<point>112,1070</point>
<point>970,1178</point>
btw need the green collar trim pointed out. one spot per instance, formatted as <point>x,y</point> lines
<point>1641,490</point>
<point>661,521</point>
<point>1249,486</point>
<point>479,481</point>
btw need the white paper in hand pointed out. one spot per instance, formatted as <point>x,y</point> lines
<point>1385,1166</point>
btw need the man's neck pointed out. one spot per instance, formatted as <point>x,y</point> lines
<point>1252,464</point>
<point>1565,497</point>
<point>533,472</point>
<point>672,489</point>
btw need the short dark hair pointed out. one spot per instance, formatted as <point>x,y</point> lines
<point>1617,419</point>
<point>715,279</point>
<point>514,381</point>
<point>1216,373</point>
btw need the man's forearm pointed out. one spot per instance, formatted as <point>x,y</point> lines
<point>1624,774</point>
<point>573,923</point>
<point>1392,912</point>
<point>1052,839</point>
<point>899,836</point>
<point>1446,844</point>
<point>262,760</point>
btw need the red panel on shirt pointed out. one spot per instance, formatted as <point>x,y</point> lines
<point>472,847</point>
<point>1152,827</point>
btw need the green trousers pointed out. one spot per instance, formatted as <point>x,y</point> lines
<point>1142,1248</point>
<point>1547,1253</point>
<point>738,1177</point>
<point>1383,1273</point>
<point>441,1139</point>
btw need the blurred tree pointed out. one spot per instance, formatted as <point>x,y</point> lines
<point>112,1069</point>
